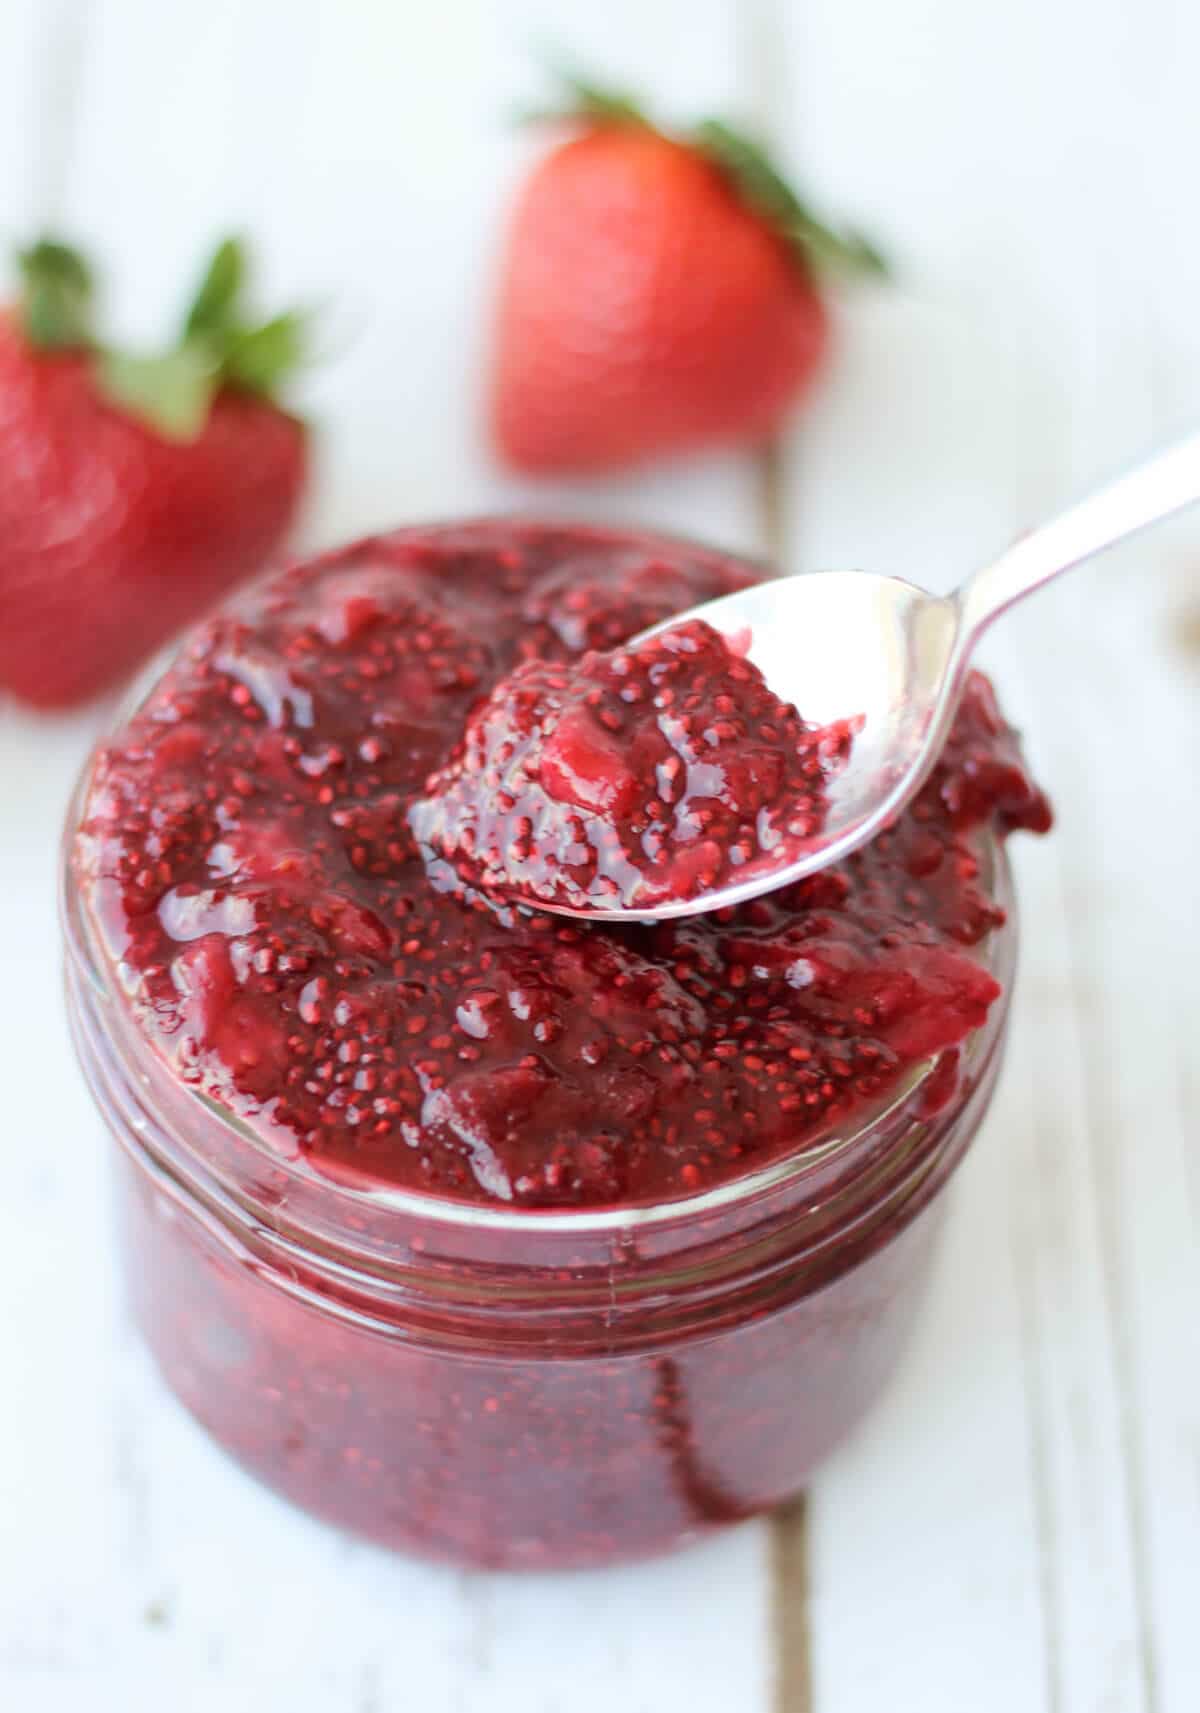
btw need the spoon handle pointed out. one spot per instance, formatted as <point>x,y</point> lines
<point>1164,484</point>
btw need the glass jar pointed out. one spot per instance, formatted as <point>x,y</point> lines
<point>514,1387</point>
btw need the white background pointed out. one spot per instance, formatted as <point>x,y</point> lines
<point>1017,1530</point>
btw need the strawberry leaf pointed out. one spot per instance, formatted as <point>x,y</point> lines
<point>259,358</point>
<point>173,392</point>
<point>256,356</point>
<point>213,309</point>
<point>743,162</point>
<point>763,189</point>
<point>594,103</point>
<point>57,296</point>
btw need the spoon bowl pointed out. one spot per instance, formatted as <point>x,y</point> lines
<point>892,658</point>
<point>841,645</point>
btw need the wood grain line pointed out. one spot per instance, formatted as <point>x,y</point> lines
<point>773,503</point>
<point>790,1628</point>
<point>1041,1475</point>
<point>1100,1101</point>
<point>1189,1102</point>
<point>368,1697</point>
<point>770,86</point>
<point>475,1602</point>
<point>791,1633</point>
<point>65,25</point>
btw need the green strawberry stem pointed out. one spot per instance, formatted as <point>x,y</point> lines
<point>747,166</point>
<point>221,342</point>
<point>219,292</point>
<point>591,101</point>
<point>766,191</point>
<point>57,296</point>
<point>257,356</point>
<point>172,392</point>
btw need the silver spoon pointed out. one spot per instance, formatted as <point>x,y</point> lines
<point>839,644</point>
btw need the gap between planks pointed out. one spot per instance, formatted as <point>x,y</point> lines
<point>791,1637</point>
<point>790,1634</point>
<point>790,1631</point>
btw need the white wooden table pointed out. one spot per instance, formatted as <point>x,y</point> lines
<point>1017,1530</point>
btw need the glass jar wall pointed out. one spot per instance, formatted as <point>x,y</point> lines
<point>521,1388</point>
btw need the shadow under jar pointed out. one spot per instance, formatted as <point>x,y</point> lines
<point>513,1385</point>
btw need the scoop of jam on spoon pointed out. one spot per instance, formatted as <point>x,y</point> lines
<point>674,776</point>
<point>631,780</point>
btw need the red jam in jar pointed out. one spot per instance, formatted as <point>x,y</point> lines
<point>509,1239</point>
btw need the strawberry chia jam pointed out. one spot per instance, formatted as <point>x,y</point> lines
<point>512,1240</point>
<point>639,776</point>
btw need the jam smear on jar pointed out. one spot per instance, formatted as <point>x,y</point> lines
<point>295,950</point>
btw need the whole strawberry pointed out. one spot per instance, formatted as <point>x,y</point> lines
<point>133,490</point>
<point>659,294</point>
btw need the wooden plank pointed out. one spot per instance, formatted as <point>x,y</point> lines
<point>53,1339</point>
<point>39,62</point>
<point>926,1583</point>
<point>925,1575</point>
<point>1002,188</point>
<point>1125,735</point>
<point>684,1633</point>
<point>1146,669</point>
<point>708,1642</point>
<point>368,156</point>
